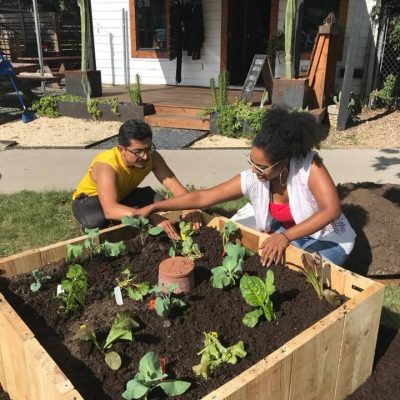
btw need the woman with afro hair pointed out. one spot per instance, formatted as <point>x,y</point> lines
<point>291,191</point>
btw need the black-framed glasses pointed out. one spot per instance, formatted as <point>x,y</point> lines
<point>260,171</point>
<point>140,153</point>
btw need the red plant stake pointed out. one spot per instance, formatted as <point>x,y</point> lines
<point>163,362</point>
<point>151,304</point>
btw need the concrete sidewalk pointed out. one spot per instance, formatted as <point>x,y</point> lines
<point>62,168</point>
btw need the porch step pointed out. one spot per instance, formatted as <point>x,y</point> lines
<point>176,109</point>
<point>178,120</point>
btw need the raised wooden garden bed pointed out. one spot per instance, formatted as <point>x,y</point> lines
<point>326,361</point>
<point>76,109</point>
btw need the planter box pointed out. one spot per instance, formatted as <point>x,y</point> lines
<point>76,109</point>
<point>329,360</point>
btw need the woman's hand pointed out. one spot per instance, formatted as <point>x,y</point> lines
<point>164,224</point>
<point>142,212</point>
<point>273,249</point>
<point>193,216</point>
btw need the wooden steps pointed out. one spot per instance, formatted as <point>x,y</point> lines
<point>173,116</point>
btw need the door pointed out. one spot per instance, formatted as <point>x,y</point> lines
<point>248,30</point>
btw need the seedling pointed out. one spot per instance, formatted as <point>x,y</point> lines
<point>214,354</point>
<point>186,229</point>
<point>111,249</point>
<point>228,229</point>
<point>73,251</point>
<point>135,290</point>
<point>173,249</point>
<point>313,269</point>
<point>142,225</point>
<point>39,279</point>
<point>256,293</point>
<point>151,376</point>
<point>190,249</point>
<point>231,268</point>
<point>164,302</point>
<point>121,329</point>
<point>90,242</point>
<point>74,288</point>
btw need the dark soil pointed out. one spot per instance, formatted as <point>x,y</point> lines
<point>374,213</point>
<point>208,310</point>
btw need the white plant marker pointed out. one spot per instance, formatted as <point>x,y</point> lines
<point>118,296</point>
<point>59,290</point>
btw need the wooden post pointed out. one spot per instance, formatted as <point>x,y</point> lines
<point>349,68</point>
<point>297,37</point>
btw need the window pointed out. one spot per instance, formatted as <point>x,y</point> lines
<point>149,28</point>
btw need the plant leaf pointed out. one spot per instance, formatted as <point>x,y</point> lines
<point>253,290</point>
<point>35,286</point>
<point>134,390</point>
<point>174,388</point>
<point>113,360</point>
<point>155,230</point>
<point>149,366</point>
<point>251,318</point>
<point>332,297</point>
<point>162,306</point>
<point>121,329</point>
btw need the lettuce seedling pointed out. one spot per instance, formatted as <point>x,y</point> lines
<point>186,229</point>
<point>190,249</point>
<point>231,268</point>
<point>73,251</point>
<point>227,230</point>
<point>39,278</point>
<point>142,225</point>
<point>121,329</point>
<point>214,354</point>
<point>135,290</point>
<point>74,288</point>
<point>110,249</point>
<point>151,376</point>
<point>164,302</point>
<point>313,269</point>
<point>257,293</point>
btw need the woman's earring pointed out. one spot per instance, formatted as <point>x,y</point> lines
<point>280,176</point>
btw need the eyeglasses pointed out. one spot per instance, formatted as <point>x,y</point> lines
<point>260,171</point>
<point>140,153</point>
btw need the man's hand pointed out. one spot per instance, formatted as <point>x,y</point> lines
<point>193,216</point>
<point>273,249</point>
<point>165,224</point>
<point>142,212</point>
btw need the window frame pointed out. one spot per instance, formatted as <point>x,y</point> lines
<point>147,53</point>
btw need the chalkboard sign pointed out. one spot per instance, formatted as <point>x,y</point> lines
<point>260,65</point>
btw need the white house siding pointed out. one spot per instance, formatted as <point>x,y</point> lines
<point>365,44</point>
<point>108,39</point>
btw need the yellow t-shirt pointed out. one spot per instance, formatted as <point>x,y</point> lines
<point>127,178</point>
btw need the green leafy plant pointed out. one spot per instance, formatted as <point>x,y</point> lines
<point>190,249</point>
<point>39,279</point>
<point>231,268</point>
<point>336,100</point>
<point>110,249</point>
<point>73,251</point>
<point>90,242</point>
<point>165,302</point>
<point>151,376</point>
<point>74,288</point>
<point>121,329</point>
<point>383,98</point>
<point>142,225</point>
<point>185,229</point>
<point>228,229</point>
<point>135,94</point>
<point>46,106</point>
<point>214,354</point>
<point>92,106</point>
<point>135,290</point>
<point>313,268</point>
<point>113,103</point>
<point>256,293</point>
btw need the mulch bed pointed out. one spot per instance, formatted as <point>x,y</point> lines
<point>208,310</point>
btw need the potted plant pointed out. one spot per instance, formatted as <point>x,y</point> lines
<point>84,83</point>
<point>333,109</point>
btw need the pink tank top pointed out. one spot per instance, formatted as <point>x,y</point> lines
<point>282,214</point>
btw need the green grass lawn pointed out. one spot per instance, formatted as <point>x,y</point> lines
<point>35,219</point>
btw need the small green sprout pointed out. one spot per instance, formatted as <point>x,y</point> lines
<point>39,279</point>
<point>164,302</point>
<point>190,249</point>
<point>111,249</point>
<point>214,354</point>
<point>151,376</point>
<point>73,251</point>
<point>228,229</point>
<point>135,290</point>
<point>142,225</point>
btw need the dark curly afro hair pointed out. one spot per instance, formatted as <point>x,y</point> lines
<point>286,135</point>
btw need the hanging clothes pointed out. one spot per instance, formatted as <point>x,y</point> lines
<point>186,31</point>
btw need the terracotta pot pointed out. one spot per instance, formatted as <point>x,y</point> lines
<point>177,270</point>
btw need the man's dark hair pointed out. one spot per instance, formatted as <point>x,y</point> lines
<point>286,135</point>
<point>133,129</point>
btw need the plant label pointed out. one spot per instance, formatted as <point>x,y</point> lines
<point>118,296</point>
<point>59,290</point>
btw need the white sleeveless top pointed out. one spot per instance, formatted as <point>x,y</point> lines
<point>301,200</point>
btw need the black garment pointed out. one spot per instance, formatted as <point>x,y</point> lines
<point>186,31</point>
<point>89,213</point>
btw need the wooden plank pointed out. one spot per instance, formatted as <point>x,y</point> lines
<point>314,61</point>
<point>359,339</point>
<point>20,263</point>
<point>224,35</point>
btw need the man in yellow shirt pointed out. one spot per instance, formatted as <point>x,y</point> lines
<point>109,190</point>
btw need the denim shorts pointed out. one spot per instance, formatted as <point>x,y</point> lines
<point>331,251</point>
